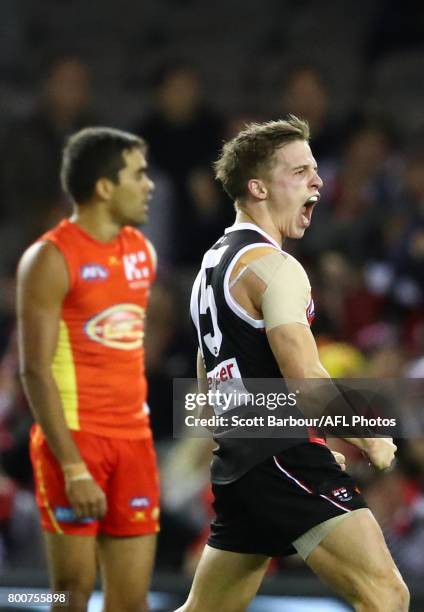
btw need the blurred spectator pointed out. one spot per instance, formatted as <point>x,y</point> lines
<point>396,27</point>
<point>376,337</point>
<point>415,369</point>
<point>15,419</point>
<point>7,310</point>
<point>397,501</point>
<point>344,305</point>
<point>31,196</point>
<point>386,361</point>
<point>184,137</point>
<point>20,537</point>
<point>12,39</point>
<point>356,197</point>
<point>168,355</point>
<point>306,95</point>
<point>159,228</point>
<point>407,257</point>
<point>342,360</point>
<point>7,499</point>
<point>188,506</point>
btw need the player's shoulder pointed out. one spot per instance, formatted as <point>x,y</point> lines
<point>278,257</point>
<point>61,230</point>
<point>293,272</point>
<point>50,248</point>
<point>41,258</point>
<point>291,261</point>
<point>279,264</point>
<point>133,232</point>
<point>256,252</point>
<point>136,238</point>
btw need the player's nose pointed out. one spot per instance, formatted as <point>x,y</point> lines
<point>317,181</point>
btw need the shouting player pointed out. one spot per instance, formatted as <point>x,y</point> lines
<point>251,305</point>
<point>83,290</point>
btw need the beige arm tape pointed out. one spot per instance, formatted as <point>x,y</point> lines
<point>243,262</point>
<point>287,292</point>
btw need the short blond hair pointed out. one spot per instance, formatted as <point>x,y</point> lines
<point>250,154</point>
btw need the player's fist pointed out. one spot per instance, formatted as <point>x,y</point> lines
<point>87,498</point>
<point>381,452</point>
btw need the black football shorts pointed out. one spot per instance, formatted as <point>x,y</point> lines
<point>280,499</point>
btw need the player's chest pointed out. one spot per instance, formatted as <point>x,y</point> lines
<point>111,278</point>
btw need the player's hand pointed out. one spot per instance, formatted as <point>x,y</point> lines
<point>340,458</point>
<point>380,452</point>
<point>86,498</point>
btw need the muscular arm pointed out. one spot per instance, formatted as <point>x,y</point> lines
<point>292,342</point>
<point>42,285</point>
<point>296,353</point>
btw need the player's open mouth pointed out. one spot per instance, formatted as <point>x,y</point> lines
<point>307,210</point>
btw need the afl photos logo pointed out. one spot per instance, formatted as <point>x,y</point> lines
<point>119,327</point>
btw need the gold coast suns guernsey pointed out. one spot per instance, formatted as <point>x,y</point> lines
<point>99,361</point>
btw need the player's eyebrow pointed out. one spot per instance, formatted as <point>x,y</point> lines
<point>141,169</point>
<point>305,166</point>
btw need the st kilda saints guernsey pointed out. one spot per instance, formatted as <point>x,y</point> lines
<point>238,360</point>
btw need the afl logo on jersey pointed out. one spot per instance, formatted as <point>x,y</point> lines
<point>93,272</point>
<point>119,327</point>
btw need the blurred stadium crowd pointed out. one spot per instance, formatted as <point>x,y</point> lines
<point>185,76</point>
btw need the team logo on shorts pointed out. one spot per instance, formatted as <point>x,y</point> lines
<point>119,327</point>
<point>342,494</point>
<point>140,502</point>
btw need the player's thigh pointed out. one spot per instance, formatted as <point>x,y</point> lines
<point>72,562</point>
<point>225,581</point>
<point>126,566</point>
<point>354,558</point>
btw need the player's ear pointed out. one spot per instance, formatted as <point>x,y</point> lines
<point>257,189</point>
<point>104,188</point>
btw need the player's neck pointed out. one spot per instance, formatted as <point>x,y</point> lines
<point>96,222</point>
<point>262,221</point>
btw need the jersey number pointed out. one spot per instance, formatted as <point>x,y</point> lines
<point>207,302</point>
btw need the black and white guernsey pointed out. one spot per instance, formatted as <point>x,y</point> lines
<point>235,348</point>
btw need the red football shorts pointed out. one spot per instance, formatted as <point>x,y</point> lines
<point>125,470</point>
